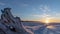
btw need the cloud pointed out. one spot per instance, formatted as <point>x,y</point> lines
<point>44,16</point>
<point>57,14</point>
<point>41,15</point>
<point>1,3</point>
<point>44,8</point>
<point>23,5</point>
<point>46,13</point>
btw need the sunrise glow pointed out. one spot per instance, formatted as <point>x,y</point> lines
<point>47,21</point>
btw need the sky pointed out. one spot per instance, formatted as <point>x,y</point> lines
<point>34,10</point>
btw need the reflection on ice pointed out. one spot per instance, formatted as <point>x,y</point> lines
<point>50,27</point>
<point>45,29</point>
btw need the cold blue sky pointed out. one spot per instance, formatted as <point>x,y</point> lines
<point>33,9</point>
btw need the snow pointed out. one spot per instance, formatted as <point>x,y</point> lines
<point>13,25</point>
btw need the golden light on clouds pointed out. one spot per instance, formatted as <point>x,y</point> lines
<point>50,20</point>
<point>55,20</point>
<point>45,20</point>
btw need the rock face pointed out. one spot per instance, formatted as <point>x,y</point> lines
<point>10,24</point>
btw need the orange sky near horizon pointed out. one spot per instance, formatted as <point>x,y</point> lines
<point>51,20</point>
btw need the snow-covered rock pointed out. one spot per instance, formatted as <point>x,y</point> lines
<point>10,24</point>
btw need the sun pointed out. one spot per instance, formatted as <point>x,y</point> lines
<point>47,21</point>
